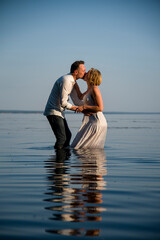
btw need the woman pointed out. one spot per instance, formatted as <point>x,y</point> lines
<point>92,133</point>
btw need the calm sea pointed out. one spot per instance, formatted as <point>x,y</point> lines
<point>86,194</point>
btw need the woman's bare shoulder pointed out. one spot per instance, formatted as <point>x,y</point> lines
<point>95,90</point>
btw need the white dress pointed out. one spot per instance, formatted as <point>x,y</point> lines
<point>92,133</point>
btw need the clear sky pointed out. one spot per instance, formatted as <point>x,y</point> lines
<point>40,39</point>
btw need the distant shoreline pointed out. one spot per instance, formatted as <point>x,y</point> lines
<point>68,112</point>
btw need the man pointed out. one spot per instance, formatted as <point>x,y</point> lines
<point>58,102</point>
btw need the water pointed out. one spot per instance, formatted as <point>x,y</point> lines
<point>93,194</point>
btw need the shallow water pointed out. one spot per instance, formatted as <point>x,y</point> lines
<point>97,194</point>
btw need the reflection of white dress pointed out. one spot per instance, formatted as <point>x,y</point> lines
<point>92,133</point>
<point>94,167</point>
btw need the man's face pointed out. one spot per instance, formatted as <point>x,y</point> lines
<point>81,71</point>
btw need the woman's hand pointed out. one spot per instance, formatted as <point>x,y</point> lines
<point>80,109</point>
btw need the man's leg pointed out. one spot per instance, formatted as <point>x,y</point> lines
<point>68,134</point>
<point>59,129</point>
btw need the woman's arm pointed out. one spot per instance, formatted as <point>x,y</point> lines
<point>79,93</point>
<point>96,94</point>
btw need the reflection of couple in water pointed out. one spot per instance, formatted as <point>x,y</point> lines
<point>92,132</point>
<point>76,190</point>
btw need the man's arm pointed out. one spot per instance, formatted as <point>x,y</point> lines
<point>66,90</point>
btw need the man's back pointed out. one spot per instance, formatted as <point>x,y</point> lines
<point>58,97</point>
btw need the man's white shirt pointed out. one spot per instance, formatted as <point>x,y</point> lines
<point>59,96</point>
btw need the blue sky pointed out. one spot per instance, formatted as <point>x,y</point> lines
<point>40,39</point>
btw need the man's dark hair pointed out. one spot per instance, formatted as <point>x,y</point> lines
<point>75,65</point>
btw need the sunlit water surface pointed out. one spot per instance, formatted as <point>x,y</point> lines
<point>112,193</point>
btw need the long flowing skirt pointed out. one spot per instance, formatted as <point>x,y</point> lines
<point>92,133</point>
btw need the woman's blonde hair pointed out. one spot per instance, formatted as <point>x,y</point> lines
<point>94,77</point>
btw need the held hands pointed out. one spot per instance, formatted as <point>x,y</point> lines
<point>81,109</point>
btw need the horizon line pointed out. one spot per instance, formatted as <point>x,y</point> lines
<point>71,112</point>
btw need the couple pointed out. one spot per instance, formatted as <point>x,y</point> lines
<point>92,132</point>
